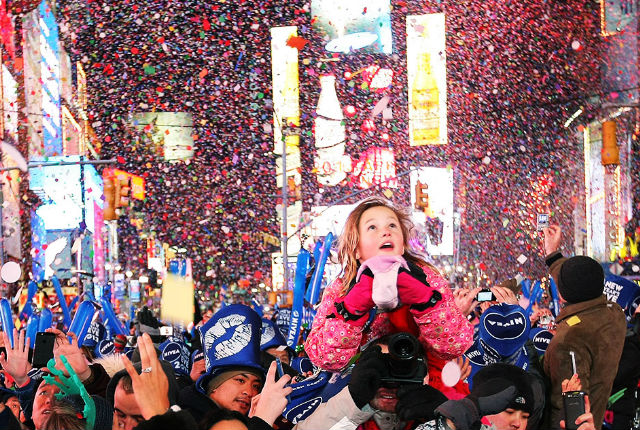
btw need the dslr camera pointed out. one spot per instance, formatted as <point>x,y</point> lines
<point>405,363</point>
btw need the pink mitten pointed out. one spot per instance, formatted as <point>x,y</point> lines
<point>385,274</point>
<point>414,289</point>
<point>358,302</point>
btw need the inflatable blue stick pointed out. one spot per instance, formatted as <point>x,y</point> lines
<point>32,329</point>
<point>535,296</point>
<point>46,318</point>
<point>553,289</point>
<point>73,303</point>
<point>526,288</point>
<point>316,279</point>
<point>62,300</point>
<point>26,311</point>
<point>317,250</point>
<point>7,319</point>
<point>82,320</point>
<point>111,320</point>
<point>302,266</point>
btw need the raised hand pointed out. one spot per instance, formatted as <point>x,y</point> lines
<point>552,239</point>
<point>273,398</point>
<point>72,351</point>
<point>151,387</point>
<point>16,360</point>
<point>584,421</point>
<point>465,299</point>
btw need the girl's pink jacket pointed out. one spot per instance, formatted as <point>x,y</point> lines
<point>443,330</point>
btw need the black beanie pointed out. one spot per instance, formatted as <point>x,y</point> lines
<point>580,279</point>
<point>523,382</point>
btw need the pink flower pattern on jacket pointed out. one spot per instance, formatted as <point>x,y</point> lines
<point>332,342</point>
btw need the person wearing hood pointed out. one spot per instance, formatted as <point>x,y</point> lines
<point>589,328</point>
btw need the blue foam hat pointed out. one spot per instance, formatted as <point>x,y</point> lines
<point>174,351</point>
<point>230,341</point>
<point>541,337</point>
<point>95,334</point>
<point>283,319</point>
<point>302,365</point>
<point>503,329</point>
<point>271,336</point>
<point>196,355</point>
<point>624,292</point>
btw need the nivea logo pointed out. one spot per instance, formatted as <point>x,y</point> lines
<point>501,326</point>
<point>544,337</point>
<point>106,347</point>
<point>171,352</point>
<point>303,410</point>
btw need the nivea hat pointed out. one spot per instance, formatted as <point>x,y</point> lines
<point>231,341</point>
<point>503,328</point>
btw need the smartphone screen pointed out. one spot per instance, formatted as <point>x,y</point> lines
<point>486,296</point>
<point>43,349</point>
<point>542,222</point>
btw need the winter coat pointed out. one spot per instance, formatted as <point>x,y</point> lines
<point>442,329</point>
<point>620,413</point>
<point>594,330</point>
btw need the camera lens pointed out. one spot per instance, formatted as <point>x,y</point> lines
<point>403,347</point>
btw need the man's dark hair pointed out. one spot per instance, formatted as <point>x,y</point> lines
<point>215,416</point>
<point>126,384</point>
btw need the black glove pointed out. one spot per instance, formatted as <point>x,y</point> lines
<point>488,398</point>
<point>418,402</point>
<point>366,376</point>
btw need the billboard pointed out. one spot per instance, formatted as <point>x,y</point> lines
<point>356,25</point>
<point>50,79</point>
<point>10,104</point>
<point>167,133</point>
<point>434,223</point>
<point>427,79</point>
<point>61,188</point>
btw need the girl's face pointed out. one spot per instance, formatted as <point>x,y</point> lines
<point>379,234</point>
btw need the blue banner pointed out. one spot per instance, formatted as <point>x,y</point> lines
<point>297,309</point>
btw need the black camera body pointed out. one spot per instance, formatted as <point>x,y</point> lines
<point>404,362</point>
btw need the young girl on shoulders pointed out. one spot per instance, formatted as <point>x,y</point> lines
<point>385,287</point>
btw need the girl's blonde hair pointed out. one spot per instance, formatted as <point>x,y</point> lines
<point>349,239</point>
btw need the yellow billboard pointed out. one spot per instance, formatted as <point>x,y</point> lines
<point>427,79</point>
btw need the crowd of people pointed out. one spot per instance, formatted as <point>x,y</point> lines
<point>392,346</point>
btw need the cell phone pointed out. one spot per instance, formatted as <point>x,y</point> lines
<point>542,222</point>
<point>280,372</point>
<point>166,330</point>
<point>486,296</point>
<point>573,402</point>
<point>43,349</point>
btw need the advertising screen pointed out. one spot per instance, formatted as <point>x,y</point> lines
<point>169,133</point>
<point>10,104</point>
<point>60,186</point>
<point>427,79</point>
<point>50,77</point>
<point>434,220</point>
<point>352,26</point>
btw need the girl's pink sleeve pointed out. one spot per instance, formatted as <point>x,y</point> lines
<point>443,328</point>
<point>332,341</point>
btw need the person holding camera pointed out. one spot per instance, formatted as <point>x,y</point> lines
<point>590,332</point>
<point>387,390</point>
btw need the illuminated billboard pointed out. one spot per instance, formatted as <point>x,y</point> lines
<point>60,190</point>
<point>377,166</point>
<point>427,79</point>
<point>356,25</point>
<point>434,220</point>
<point>50,79</point>
<point>169,134</point>
<point>10,104</point>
